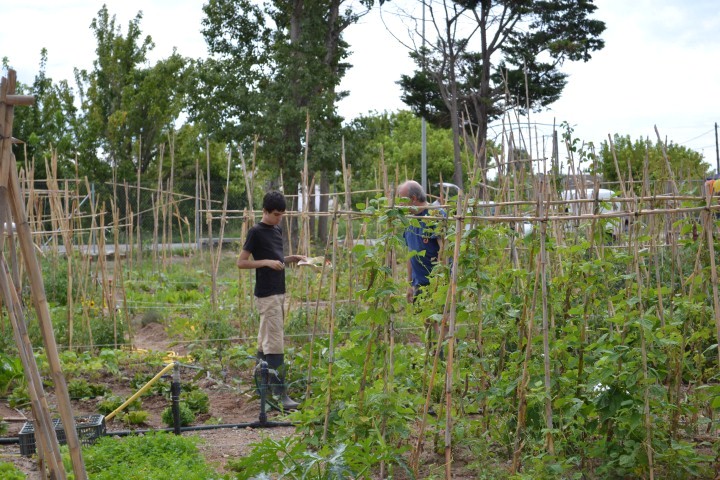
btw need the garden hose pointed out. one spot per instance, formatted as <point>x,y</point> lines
<point>141,391</point>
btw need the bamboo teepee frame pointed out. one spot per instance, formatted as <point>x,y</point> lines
<point>12,209</point>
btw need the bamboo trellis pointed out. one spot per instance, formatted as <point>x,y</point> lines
<point>12,209</point>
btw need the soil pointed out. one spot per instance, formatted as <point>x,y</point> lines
<point>229,405</point>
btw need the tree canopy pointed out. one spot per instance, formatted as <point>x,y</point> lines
<point>508,55</point>
<point>273,65</point>
<point>631,155</point>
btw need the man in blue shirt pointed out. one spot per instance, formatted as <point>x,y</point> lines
<point>419,238</point>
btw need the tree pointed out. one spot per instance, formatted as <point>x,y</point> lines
<point>686,164</point>
<point>49,126</point>
<point>128,107</point>
<point>396,136</point>
<point>273,65</point>
<point>508,55</point>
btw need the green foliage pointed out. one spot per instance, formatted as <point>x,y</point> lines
<point>8,471</point>
<point>197,401</point>
<point>19,397</point>
<point>11,373</point>
<point>631,156</point>
<point>148,457</point>
<point>48,126</point>
<point>110,403</point>
<point>79,388</point>
<point>124,101</point>
<point>134,417</point>
<point>396,135</point>
<point>290,457</point>
<point>186,416</point>
<point>274,80</point>
<point>3,428</point>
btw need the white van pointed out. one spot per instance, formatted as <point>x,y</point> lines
<point>586,208</point>
<point>481,208</point>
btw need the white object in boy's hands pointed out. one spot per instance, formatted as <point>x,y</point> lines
<point>315,262</point>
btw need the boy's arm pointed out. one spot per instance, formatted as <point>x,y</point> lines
<point>295,258</point>
<point>245,263</point>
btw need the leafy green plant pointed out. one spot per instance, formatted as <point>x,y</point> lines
<point>20,397</point>
<point>197,401</point>
<point>110,403</point>
<point>8,471</point>
<point>290,457</point>
<point>186,416</point>
<point>11,373</point>
<point>154,456</point>
<point>79,388</point>
<point>134,417</point>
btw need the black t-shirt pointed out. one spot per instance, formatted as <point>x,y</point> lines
<point>264,242</point>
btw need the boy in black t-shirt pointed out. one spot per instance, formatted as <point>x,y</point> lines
<point>264,243</point>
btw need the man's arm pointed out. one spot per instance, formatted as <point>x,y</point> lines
<point>295,258</point>
<point>245,263</point>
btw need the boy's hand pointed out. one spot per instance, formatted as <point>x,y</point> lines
<point>275,264</point>
<point>296,258</point>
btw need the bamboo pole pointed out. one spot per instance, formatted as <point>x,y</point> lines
<point>9,179</point>
<point>157,206</point>
<point>223,220</point>
<point>415,458</point>
<point>709,235</point>
<point>331,328</point>
<point>209,219</point>
<point>139,208</point>
<point>643,349</point>
<point>118,274</point>
<point>48,448</point>
<point>318,294</point>
<point>450,336</point>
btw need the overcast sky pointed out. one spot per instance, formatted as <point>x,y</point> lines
<point>660,65</point>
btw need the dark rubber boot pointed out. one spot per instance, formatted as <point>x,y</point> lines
<point>277,382</point>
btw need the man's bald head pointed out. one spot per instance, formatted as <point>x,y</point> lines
<point>414,191</point>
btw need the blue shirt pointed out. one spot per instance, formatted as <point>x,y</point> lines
<point>418,239</point>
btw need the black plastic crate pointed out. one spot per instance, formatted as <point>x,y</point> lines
<point>89,428</point>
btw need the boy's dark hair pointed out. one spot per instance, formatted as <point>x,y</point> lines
<point>274,200</point>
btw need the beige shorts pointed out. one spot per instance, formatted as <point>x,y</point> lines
<point>272,323</point>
